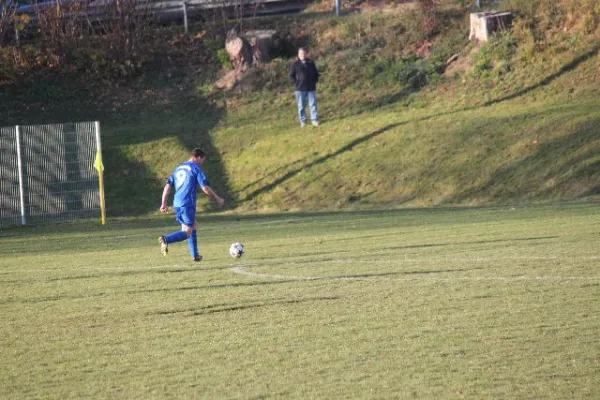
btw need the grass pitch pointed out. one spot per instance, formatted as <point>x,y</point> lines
<point>439,303</point>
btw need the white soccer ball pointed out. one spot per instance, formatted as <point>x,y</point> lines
<point>236,250</point>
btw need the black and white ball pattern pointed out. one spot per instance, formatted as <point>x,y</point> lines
<point>236,250</point>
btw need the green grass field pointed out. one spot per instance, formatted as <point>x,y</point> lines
<point>439,303</point>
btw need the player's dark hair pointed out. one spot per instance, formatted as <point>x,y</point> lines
<point>198,153</point>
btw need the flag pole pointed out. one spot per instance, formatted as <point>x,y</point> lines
<point>100,167</point>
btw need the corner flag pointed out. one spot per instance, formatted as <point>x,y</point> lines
<point>98,162</point>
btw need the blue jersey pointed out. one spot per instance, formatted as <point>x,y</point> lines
<point>185,179</point>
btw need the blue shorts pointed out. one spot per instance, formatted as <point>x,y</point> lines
<point>186,215</point>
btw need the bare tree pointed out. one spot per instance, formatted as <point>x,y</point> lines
<point>225,15</point>
<point>126,23</point>
<point>66,24</point>
<point>428,5</point>
<point>61,24</point>
<point>219,13</point>
<point>429,22</point>
<point>7,12</point>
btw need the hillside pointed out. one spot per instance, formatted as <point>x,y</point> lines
<point>518,123</point>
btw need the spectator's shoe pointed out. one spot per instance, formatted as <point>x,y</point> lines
<point>197,259</point>
<point>164,247</point>
<point>302,124</point>
<point>315,123</point>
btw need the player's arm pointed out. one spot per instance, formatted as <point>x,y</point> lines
<point>165,197</point>
<point>211,193</point>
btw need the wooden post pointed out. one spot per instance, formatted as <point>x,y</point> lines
<point>185,16</point>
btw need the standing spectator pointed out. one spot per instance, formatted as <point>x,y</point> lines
<point>305,76</point>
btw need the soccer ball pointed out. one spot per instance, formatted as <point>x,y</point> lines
<point>236,250</point>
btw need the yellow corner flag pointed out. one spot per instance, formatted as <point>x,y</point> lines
<point>100,168</point>
<point>98,162</point>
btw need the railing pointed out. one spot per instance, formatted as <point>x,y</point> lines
<point>157,8</point>
<point>27,18</point>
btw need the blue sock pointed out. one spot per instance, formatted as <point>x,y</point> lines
<point>175,237</point>
<point>193,243</point>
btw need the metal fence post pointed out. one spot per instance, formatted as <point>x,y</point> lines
<point>21,178</point>
<point>337,7</point>
<point>185,16</point>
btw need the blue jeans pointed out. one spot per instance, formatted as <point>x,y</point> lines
<point>302,98</point>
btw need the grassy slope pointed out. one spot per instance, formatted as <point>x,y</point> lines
<point>529,135</point>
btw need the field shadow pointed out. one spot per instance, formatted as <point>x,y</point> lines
<point>219,308</point>
<point>214,286</point>
<point>566,167</point>
<point>403,94</point>
<point>423,246</point>
<point>189,120</point>
<point>133,124</point>
<point>45,299</point>
<point>290,174</point>
<point>550,78</point>
<point>396,97</point>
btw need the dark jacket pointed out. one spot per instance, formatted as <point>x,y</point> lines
<point>304,75</point>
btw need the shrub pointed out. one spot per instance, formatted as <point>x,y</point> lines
<point>552,15</point>
<point>223,59</point>
<point>407,73</point>
<point>496,56</point>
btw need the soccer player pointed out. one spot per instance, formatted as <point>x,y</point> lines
<point>185,179</point>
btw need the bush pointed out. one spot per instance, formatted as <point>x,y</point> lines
<point>543,16</point>
<point>408,73</point>
<point>223,59</point>
<point>496,57</point>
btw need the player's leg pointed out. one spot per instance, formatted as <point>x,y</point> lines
<point>193,244</point>
<point>179,236</point>
<point>188,225</point>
